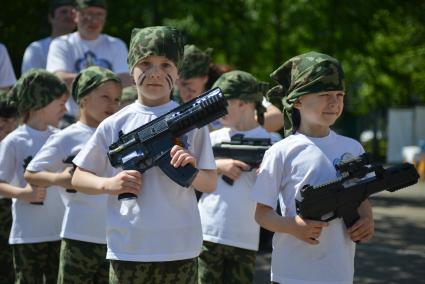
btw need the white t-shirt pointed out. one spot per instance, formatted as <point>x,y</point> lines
<point>71,53</point>
<point>31,223</point>
<point>85,215</point>
<point>227,214</point>
<point>35,55</point>
<point>7,75</point>
<point>163,223</point>
<point>287,166</point>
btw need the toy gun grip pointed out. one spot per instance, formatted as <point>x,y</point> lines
<point>227,180</point>
<point>351,218</point>
<point>183,176</point>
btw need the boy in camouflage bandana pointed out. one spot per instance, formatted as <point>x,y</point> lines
<point>82,256</point>
<point>311,91</point>
<point>230,233</point>
<point>39,98</point>
<point>156,237</point>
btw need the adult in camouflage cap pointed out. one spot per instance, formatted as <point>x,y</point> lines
<point>81,4</point>
<point>35,90</point>
<point>159,40</point>
<point>301,75</point>
<point>195,62</point>
<point>89,79</point>
<point>245,87</point>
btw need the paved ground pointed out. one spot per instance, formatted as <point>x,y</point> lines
<point>396,255</point>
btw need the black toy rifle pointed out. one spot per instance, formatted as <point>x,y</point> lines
<point>248,150</point>
<point>68,160</point>
<point>150,144</point>
<point>340,198</point>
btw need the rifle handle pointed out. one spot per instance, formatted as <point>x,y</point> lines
<point>127,196</point>
<point>37,203</point>
<point>227,180</point>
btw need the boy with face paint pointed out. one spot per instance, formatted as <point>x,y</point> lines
<point>230,233</point>
<point>311,90</point>
<point>39,97</point>
<point>156,237</point>
<point>97,91</point>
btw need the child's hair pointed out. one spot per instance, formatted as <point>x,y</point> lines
<point>6,110</point>
<point>89,79</point>
<point>245,87</point>
<point>301,75</point>
<point>34,90</point>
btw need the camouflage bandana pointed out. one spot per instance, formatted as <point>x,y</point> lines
<point>81,4</point>
<point>54,4</point>
<point>243,86</point>
<point>160,41</point>
<point>129,94</point>
<point>195,62</point>
<point>89,79</point>
<point>301,75</point>
<point>34,90</point>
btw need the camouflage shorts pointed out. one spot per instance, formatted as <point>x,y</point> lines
<point>33,262</point>
<point>83,263</point>
<point>219,263</point>
<point>167,272</point>
<point>6,261</point>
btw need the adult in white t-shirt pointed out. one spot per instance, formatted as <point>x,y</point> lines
<point>7,75</point>
<point>69,54</point>
<point>62,20</point>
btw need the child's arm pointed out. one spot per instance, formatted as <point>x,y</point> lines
<point>44,178</point>
<point>29,193</point>
<point>124,182</point>
<point>205,180</point>
<point>364,228</point>
<point>306,230</point>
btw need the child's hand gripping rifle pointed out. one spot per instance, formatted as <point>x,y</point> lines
<point>248,150</point>
<point>341,198</point>
<point>150,144</point>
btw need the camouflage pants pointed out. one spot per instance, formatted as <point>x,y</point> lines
<point>83,263</point>
<point>219,263</point>
<point>167,272</point>
<point>6,261</point>
<point>35,262</point>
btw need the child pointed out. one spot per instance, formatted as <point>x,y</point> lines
<point>40,98</point>
<point>230,233</point>
<point>97,91</point>
<point>311,87</point>
<point>157,236</point>
<point>8,123</point>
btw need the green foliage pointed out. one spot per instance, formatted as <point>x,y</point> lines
<point>381,44</point>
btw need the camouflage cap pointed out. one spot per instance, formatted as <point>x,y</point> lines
<point>245,87</point>
<point>81,4</point>
<point>241,85</point>
<point>195,62</point>
<point>304,74</point>
<point>54,4</point>
<point>35,90</point>
<point>129,94</point>
<point>89,79</point>
<point>160,41</point>
<point>6,110</point>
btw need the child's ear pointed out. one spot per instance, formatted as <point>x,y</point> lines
<point>297,104</point>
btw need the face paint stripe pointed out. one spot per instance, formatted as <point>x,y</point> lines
<point>141,79</point>
<point>169,81</point>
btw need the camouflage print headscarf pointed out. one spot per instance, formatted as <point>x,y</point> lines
<point>89,79</point>
<point>160,41</point>
<point>129,94</point>
<point>81,4</point>
<point>301,75</point>
<point>195,62</point>
<point>54,4</point>
<point>245,87</point>
<point>34,90</point>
